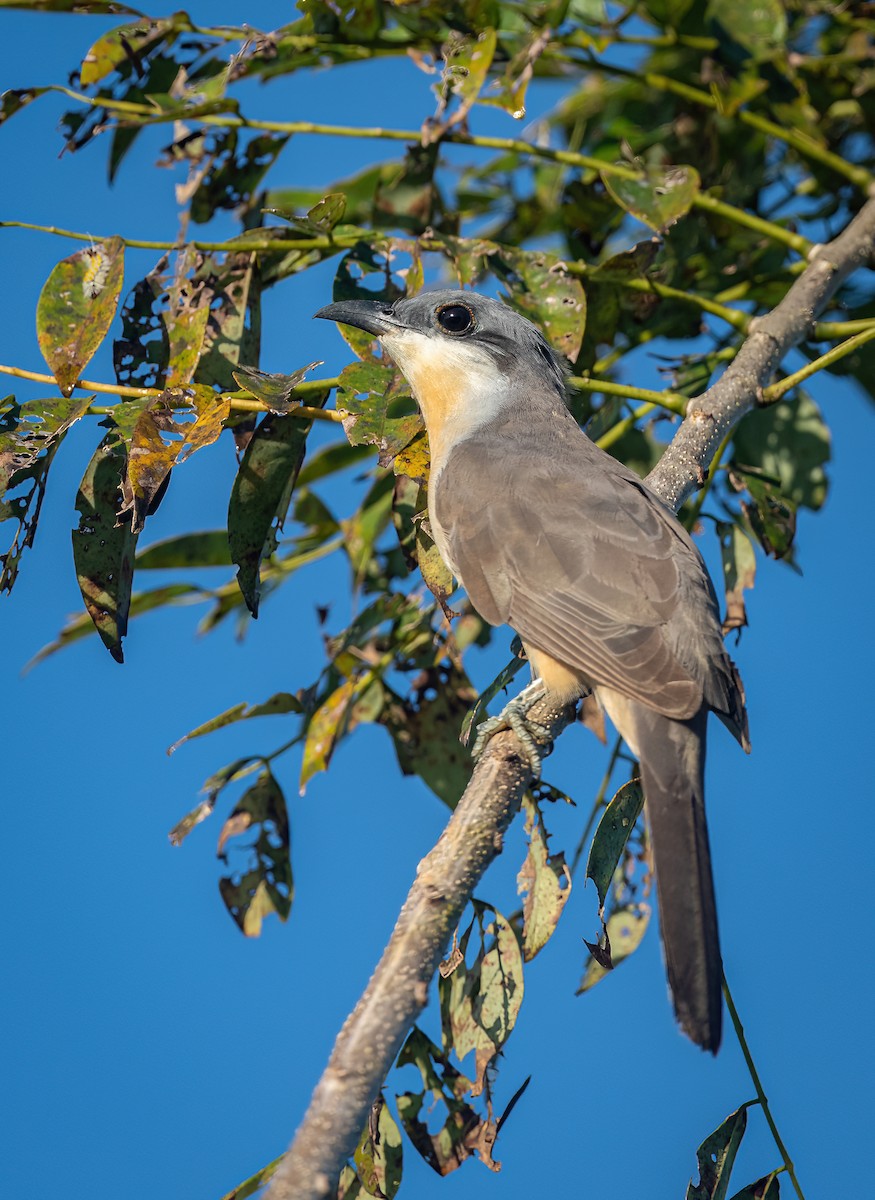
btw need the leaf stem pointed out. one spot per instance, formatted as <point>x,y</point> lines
<point>758,1087</point>
<point>777,390</point>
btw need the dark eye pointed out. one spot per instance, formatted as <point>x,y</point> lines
<point>455,318</point>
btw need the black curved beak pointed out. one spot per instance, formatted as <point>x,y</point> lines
<point>374,316</point>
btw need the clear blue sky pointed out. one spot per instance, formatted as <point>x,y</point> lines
<point>150,1050</point>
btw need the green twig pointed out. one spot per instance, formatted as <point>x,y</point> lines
<point>755,1079</point>
<point>777,390</point>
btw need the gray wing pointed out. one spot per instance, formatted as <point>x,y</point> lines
<point>570,549</point>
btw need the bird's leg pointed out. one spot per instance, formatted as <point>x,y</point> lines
<point>515,716</point>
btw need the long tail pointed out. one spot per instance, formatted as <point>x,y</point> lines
<point>672,755</point>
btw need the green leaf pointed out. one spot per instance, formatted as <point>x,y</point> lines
<point>716,1156</point>
<point>457,1137</point>
<point>659,197</point>
<point>766,1188</point>
<point>353,702</point>
<point>251,1185</point>
<point>124,44</point>
<point>508,91</point>
<point>276,391</point>
<point>791,443</point>
<point>624,931</point>
<point>76,307</point>
<point>366,396</point>
<point>261,495</point>
<point>739,572</point>
<point>480,1003</point>
<point>760,26</point>
<point>14,100</point>
<point>467,60</point>
<point>279,704</point>
<point>378,1155</point>
<point>612,834</point>
<point>267,887</point>
<point>772,517</point>
<point>543,291</point>
<point>30,434</point>
<point>358,265</point>
<point>207,549</point>
<point>104,543</point>
<point>544,880</point>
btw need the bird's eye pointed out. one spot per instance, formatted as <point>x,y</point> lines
<point>455,318</point>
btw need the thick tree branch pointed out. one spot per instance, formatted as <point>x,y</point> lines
<point>372,1036</point>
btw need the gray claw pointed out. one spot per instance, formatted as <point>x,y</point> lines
<point>514,716</point>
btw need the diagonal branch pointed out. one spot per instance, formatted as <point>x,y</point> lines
<point>373,1034</point>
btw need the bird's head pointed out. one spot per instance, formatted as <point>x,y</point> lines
<point>456,347</point>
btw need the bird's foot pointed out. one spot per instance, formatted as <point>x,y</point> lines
<point>515,716</point>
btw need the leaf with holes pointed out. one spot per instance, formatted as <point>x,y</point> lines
<point>366,396</point>
<point>542,290</point>
<point>30,435</point>
<point>544,880</point>
<point>104,544</point>
<point>267,886</point>
<point>361,263</point>
<point>716,1157</point>
<point>76,308</point>
<point>261,495</point>
<point>167,432</point>
<point>658,197</point>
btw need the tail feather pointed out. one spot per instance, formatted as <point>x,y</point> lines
<point>672,755</point>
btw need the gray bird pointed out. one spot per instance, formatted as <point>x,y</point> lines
<point>606,589</point>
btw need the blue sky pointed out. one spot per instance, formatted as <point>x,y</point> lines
<point>150,1049</point>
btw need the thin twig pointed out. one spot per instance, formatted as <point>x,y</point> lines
<point>761,1095</point>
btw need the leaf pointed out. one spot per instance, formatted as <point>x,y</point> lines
<point>480,1002</point>
<point>267,886</point>
<point>30,434</point>
<point>125,44</point>
<point>354,701</point>
<point>462,1130</point>
<point>366,394</point>
<point>378,1155</point>
<point>509,90</point>
<point>791,443</point>
<point>409,511</point>
<point>612,834</point>
<point>543,291</point>
<point>15,99</point>
<point>168,430</point>
<point>478,712</point>
<point>207,549</point>
<point>466,66</point>
<point>766,1188</point>
<point>76,307</point>
<point>739,572</point>
<point>279,704</point>
<point>251,1185</point>
<point>322,217</point>
<point>424,729</point>
<point>716,1156</point>
<point>624,932</point>
<point>544,880</point>
<point>659,197</point>
<point>104,544</point>
<point>760,26</point>
<point>358,265</point>
<point>232,178</point>
<point>261,495</point>
<point>772,517</point>
<point>275,391</point>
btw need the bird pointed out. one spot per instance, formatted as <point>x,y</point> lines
<point>552,536</point>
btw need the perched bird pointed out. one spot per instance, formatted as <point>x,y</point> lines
<point>552,536</point>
